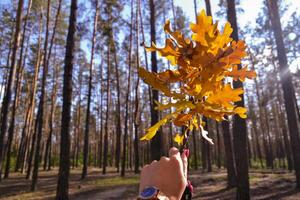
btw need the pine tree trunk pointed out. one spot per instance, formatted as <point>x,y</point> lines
<point>53,95</point>
<point>195,150</point>
<point>48,152</point>
<point>118,106</point>
<point>229,160</point>
<point>239,125</point>
<point>137,97</point>
<point>105,152</point>
<point>283,122</point>
<point>10,82</point>
<point>20,68</point>
<point>145,52</point>
<point>41,105</point>
<point>156,142</point>
<point>87,120</point>
<point>127,96</point>
<point>64,160</point>
<point>218,146</point>
<point>29,113</point>
<point>287,85</point>
<point>100,142</point>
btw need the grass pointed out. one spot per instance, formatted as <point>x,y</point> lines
<point>116,181</point>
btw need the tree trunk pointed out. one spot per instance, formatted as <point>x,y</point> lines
<point>127,96</point>
<point>156,142</point>
<point>100,142</point>
<point>20,68</point>
<point>239,125</point>
<point>87,120</point>
<point>137,97</point>
<point>208,8</point>
<point>10,82</point>
<point>145,52</point>
<point>287,85</point>
<point>64,160</point>
<point>53,95</point>
<point>41,105</point>
<point>195,150</point>
<point>229,160</point>
<point>105,153</point>
<point>218,145</point>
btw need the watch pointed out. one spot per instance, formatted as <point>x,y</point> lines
<point>149,193</point>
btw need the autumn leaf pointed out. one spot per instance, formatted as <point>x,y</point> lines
<point>241,74</point>
<point>197,87</point>
<point>241,111</point>
<point>182,119</point>
<point>150,132</point>
<point>179,139</point>
<point>151,79</point>
<point>225,96</point>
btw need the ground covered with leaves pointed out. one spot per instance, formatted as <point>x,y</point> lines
<point>264,185</point>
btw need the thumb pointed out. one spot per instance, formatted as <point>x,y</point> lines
<point>184,158</point>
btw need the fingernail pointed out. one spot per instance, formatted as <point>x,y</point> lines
<point>186,152</point>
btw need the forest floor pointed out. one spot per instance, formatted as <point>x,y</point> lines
<point>265,184</point>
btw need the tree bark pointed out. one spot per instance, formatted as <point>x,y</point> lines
<point>64,160</point>
<point>137,96</point>
<point>43,95</point>
<point>239,125</point>
<point>287,85</point>
<point>229,160</point>
<point>20,68</point>
<point>156,142</point>
<point>10,82</point>
<point>53,95</point>
<point>87,120</point>
<point>127,96</point>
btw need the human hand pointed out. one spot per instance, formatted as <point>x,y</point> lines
<point>169,174</point>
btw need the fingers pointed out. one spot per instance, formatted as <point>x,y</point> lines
<point>173,151</point>
<point>163,159</point>
<point>184,158</point>
<point>153,162</point>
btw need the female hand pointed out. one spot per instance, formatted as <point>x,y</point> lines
<point>169,174</point>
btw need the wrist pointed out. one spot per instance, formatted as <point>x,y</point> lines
<point>152,193</point>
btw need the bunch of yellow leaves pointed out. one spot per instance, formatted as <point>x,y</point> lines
<point>198,83</point>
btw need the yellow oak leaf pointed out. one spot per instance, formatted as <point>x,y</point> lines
<point>169,51</point>
<point>151,79</point>
<point>241,74</point>
<point>169,76</point>
<point>241,111</point>
<point>197,85</point>
<point>150,132</point>
<point>179,139</point>
<point>226,96</point>
<point>178,105</point>
<point>182,119</point>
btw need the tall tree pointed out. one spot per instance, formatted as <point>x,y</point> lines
<point>239,128</point>
<point>127,94</point>
<point>64,160</point>
<point>54,92</point>
<point>87,120</point>
<point>156,142</point>
<point>137,96</point>
<point>20,68</point>
<point>40,115</point>
<point>287,86</point>
<point>10,82</point>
